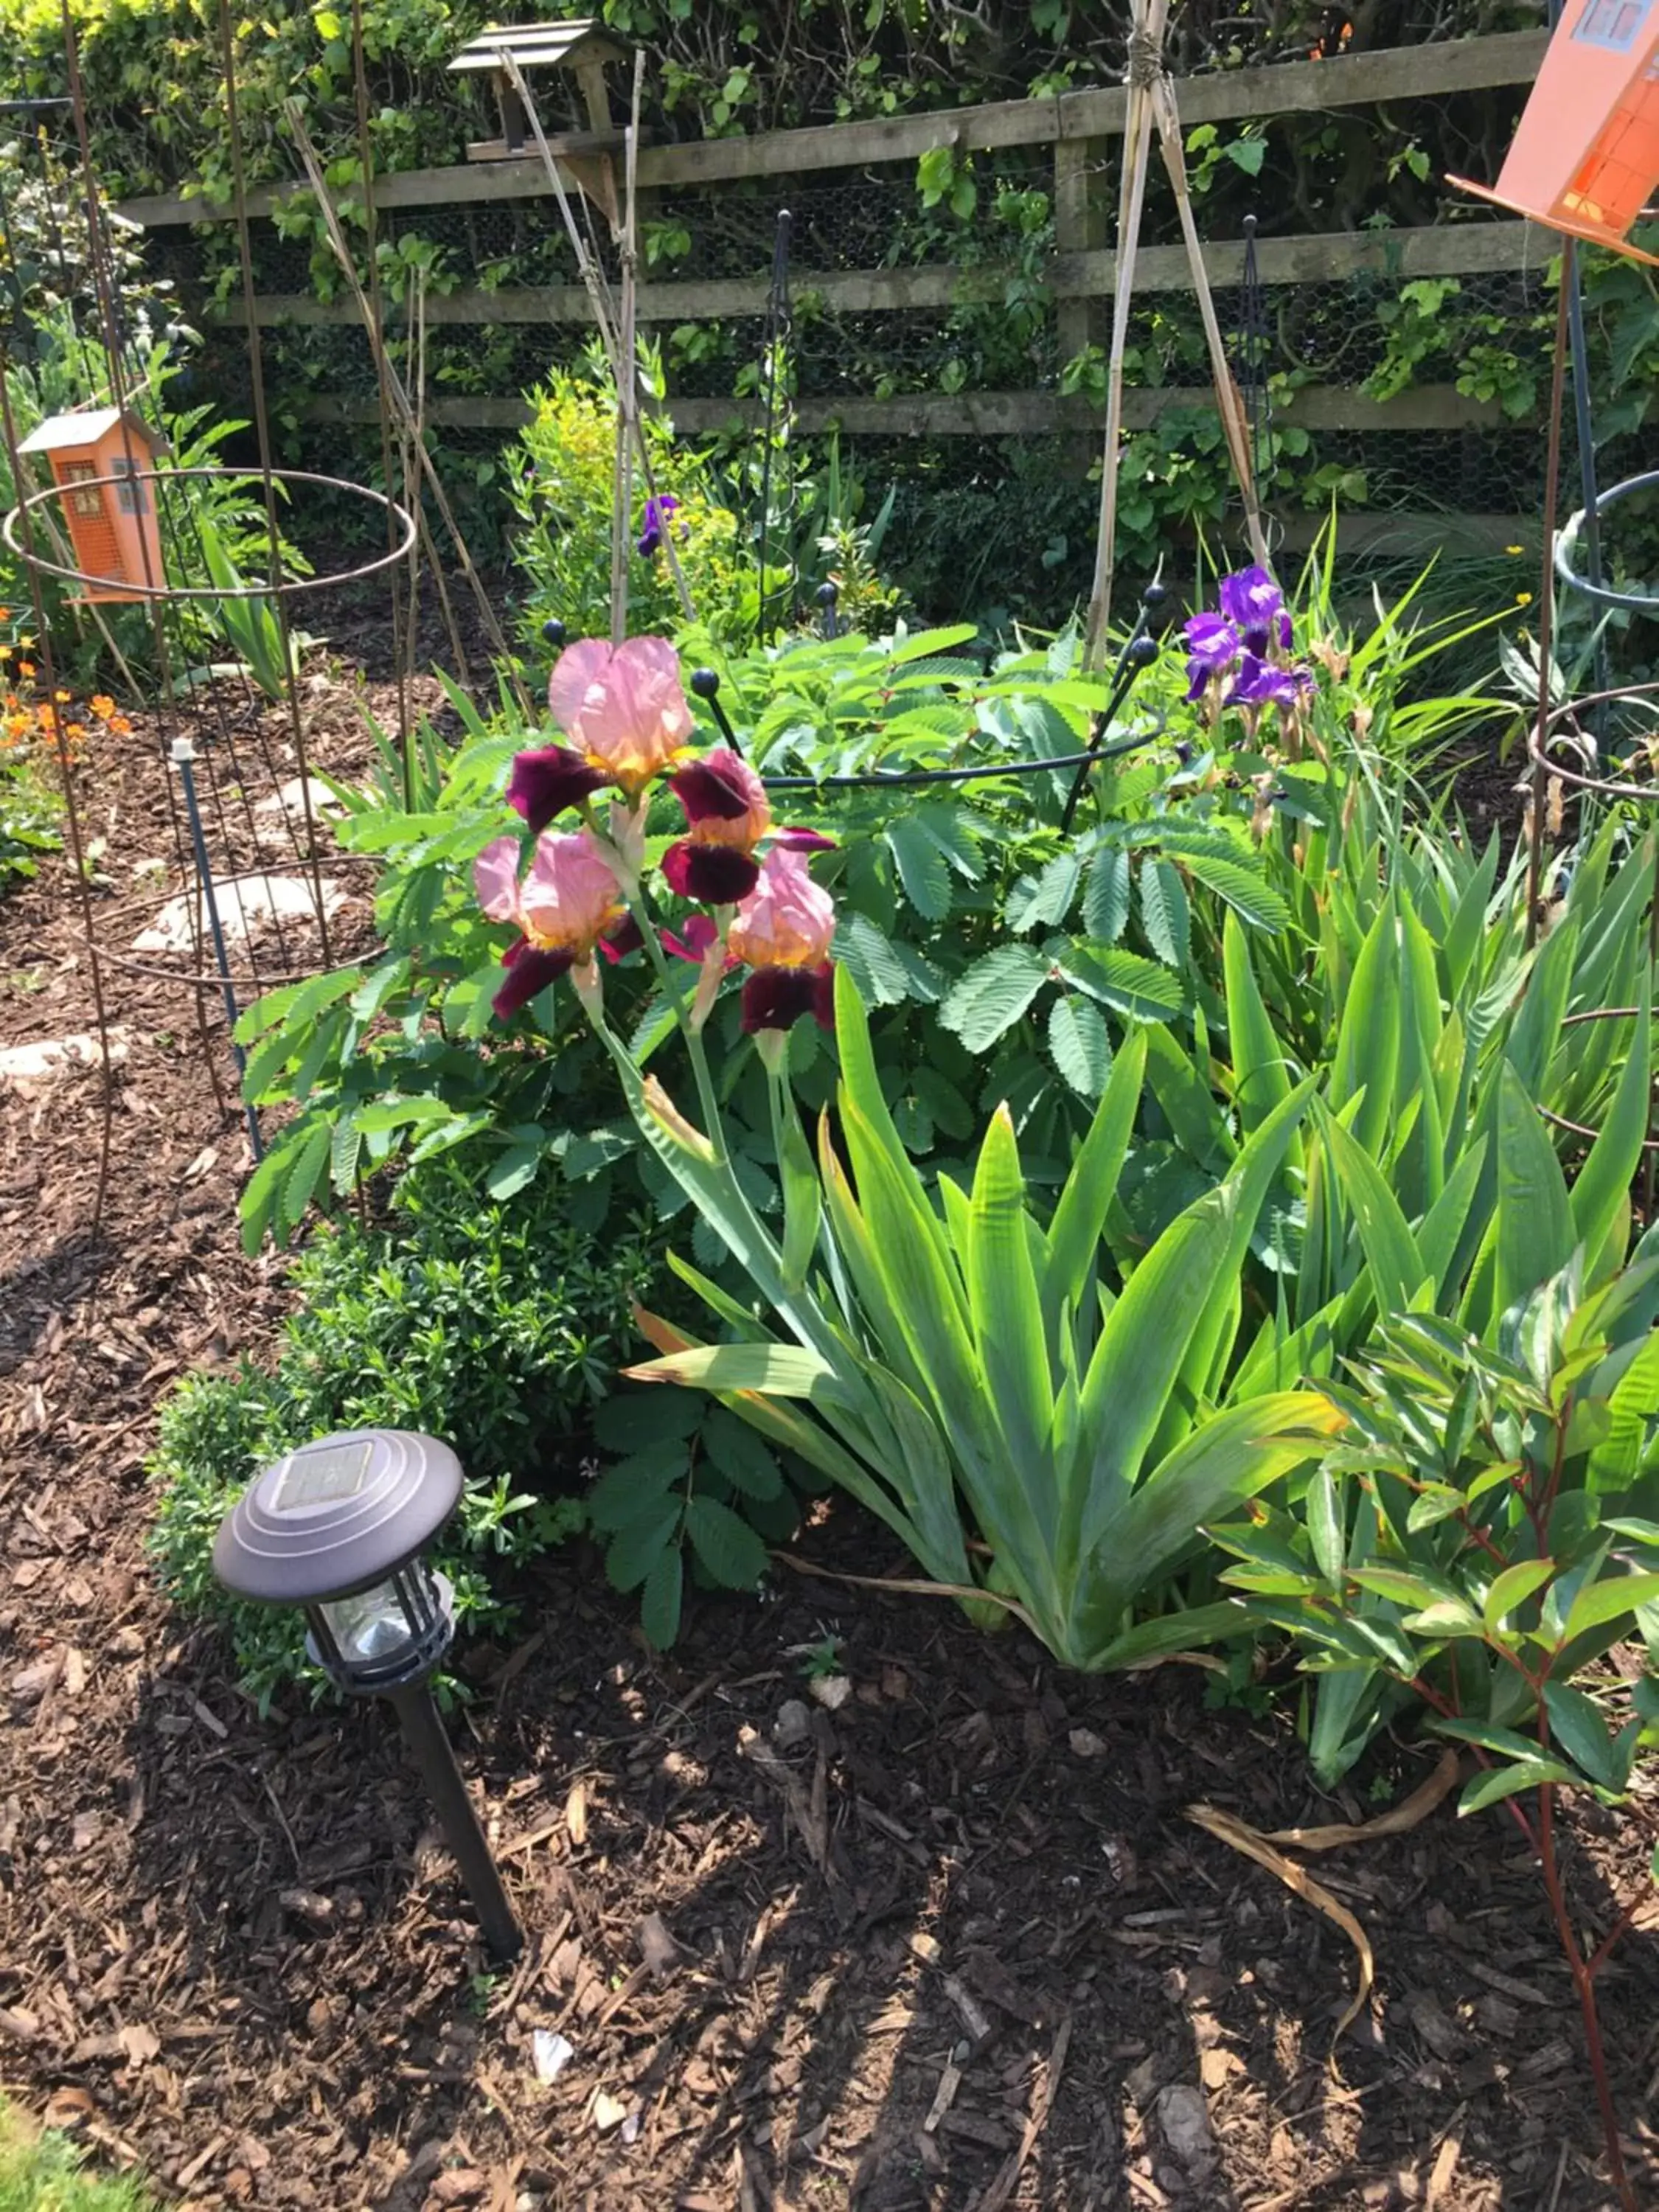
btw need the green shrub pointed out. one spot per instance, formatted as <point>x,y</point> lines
<point>561,489</point>
<point>496,1330</point>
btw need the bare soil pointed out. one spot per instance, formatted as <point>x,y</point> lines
<point>953,1944</point>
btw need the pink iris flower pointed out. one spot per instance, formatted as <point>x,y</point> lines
<point>782,933</point>
<point>624,709</point>
<point>727,814</point>
<point>568,905</point>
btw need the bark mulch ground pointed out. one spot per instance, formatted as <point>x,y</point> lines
<point>949,1943</point>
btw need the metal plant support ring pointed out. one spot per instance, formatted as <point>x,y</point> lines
<point>286,588</point>
<point>1603,786</point>
<point>1539,744</point>
<point>1566,540</point>
<point>1649,1145</point>
<point>209,979</point>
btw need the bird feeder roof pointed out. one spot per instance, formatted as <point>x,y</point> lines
<point>58,432</point>
<point>570,45</point>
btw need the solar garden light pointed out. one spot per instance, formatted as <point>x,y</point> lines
<point>338,1526</point>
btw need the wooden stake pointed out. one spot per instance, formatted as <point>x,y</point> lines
<point>627,372</point>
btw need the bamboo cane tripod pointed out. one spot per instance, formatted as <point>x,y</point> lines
<point>1151,106</point>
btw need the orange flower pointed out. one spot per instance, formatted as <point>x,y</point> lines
<point>75,732</point>
<point>5,614</point>
<point>118,726</point>
<point>62,697</point>
<point>26,668</point>
<point>102,705</point>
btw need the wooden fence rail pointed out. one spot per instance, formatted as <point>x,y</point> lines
<point>976,413</point>
<point>1233,95</point>
<point>1320,258</point>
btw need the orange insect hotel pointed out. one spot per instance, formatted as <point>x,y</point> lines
<point>1585,159</point>
<point>112,527</point>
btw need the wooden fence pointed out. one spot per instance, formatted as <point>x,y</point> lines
<point>1080,127</point>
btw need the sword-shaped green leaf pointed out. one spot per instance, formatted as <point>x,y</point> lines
<point>1535,1235</point>
<point>1606,1175</point>
<point>1367,1053</point>
<point>1261,1073</point>
<point>1390,1250</point>
<point>1007,1314</point>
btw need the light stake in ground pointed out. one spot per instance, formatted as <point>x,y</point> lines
<point>339,1527</point>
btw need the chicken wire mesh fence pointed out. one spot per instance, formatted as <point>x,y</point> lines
<point>1364,335</point>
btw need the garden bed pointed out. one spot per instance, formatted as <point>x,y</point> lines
<point>950,1944</point>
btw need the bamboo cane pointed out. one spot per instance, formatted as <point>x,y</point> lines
<point>1229,402</point>
<point>623,369</point>
<point>1145,51</point>
<point>398,398</point>
<point>627,379</point>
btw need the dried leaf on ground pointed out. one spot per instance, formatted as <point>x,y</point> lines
<point>1226,1828</point>
<point>1398,1820</point>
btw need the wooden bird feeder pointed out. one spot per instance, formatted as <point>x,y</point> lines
<point>112,527</point>
<point>1585,157</point>
<point>579,47</point>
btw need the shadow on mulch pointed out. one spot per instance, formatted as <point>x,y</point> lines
<point>45,1286</point>
<point>859,1958</point>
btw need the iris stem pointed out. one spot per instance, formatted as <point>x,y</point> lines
<point>670,981</point>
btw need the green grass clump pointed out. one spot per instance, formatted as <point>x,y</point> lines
<point>45,2172</point>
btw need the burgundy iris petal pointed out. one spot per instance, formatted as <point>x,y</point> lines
<point>616,944</point>
<point>776,998</point>
<point>546,781</point>
<point>714,875</point>
<point>704,789</point>
<point>529,969</point>
<point>699,934</point>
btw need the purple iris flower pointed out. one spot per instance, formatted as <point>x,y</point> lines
<point>657,508</point>
<point>1259,684</point>
<point>1212,647</point>
<point>1254,604</point>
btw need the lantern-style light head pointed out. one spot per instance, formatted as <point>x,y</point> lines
<point>338,1526</point>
